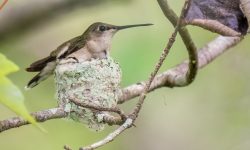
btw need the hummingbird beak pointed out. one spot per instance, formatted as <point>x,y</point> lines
<point>131,26</point>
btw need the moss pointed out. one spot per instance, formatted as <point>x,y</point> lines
<point>96,82</point>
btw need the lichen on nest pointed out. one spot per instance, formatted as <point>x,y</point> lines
<point>95,82</point>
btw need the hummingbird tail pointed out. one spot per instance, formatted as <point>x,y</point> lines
<point>33,82</point>
<point>44,74</point>
<point>36,80</point>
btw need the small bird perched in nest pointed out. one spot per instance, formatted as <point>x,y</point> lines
<point>95,43</point>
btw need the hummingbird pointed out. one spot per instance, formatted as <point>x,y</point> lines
<point>94,43</point>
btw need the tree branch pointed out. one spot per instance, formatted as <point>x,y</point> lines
<point>40,116</point>
<point>187,40</point>
<point>176,75</point>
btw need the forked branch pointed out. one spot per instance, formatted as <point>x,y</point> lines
<point>180,75</point>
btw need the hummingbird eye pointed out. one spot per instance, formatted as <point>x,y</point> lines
<point>102,28</point>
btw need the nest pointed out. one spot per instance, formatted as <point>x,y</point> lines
<point>95,82</point>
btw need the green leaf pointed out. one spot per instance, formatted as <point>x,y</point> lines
<point>6,66</point>
<point>10,95</point>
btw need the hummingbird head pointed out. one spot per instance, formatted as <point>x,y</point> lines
<point>104,30</point>
<point>99,35</point>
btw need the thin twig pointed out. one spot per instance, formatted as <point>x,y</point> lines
<point>187,40</point>
<point>3,4</point>
<point>214,26</point>
<point>127,124</point>
<point>132,117</point>
<point>159,64</point>
<point>95,107</point>
<point>99,108</point>
<point>113,120</point>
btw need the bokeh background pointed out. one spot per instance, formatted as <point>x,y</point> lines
<point>212,113</point>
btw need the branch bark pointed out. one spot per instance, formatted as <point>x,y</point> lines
<point>187,40</point>
<point>40,116</point>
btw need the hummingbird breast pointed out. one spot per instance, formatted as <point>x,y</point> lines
<point>96,46</point>
<point>99,47</point>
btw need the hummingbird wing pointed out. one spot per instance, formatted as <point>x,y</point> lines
<point>75,44</point>
<point>62,51</point>
<point>46,66</point>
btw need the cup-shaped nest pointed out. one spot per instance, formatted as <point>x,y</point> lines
<point>95,82</point>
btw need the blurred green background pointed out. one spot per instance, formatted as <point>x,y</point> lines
<point>212,113</point>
